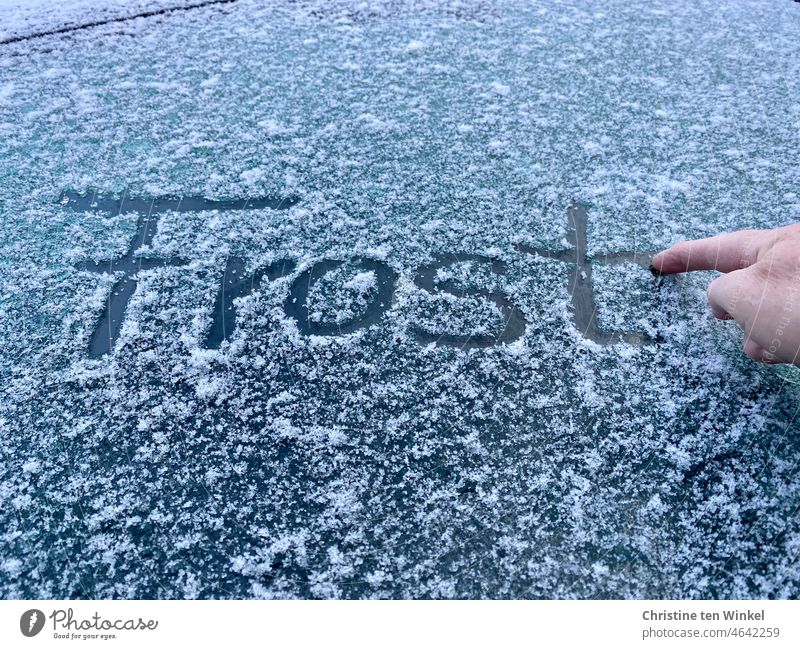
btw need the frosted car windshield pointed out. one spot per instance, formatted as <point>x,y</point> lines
<point>352,300</point>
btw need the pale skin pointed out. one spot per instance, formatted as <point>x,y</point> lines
<point>760,287</point>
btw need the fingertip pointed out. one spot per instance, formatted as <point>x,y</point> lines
<point>659,264</point>
<point>656,263</point>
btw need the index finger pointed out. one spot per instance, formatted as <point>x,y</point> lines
<point>725,252</point>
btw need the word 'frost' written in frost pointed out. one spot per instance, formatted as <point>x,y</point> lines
<point>236,282</point>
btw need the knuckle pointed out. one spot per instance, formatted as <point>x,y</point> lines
<point>713,291</point>
<point>752,354</point>
<point>753,351</point>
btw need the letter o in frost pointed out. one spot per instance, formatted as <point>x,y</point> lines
<point>296,305</point>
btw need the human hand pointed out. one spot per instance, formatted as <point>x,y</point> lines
<point>760,288</point>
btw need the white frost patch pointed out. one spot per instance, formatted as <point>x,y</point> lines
<point>32,466</point>
<point>415,46</point>
<point>500,88</point>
